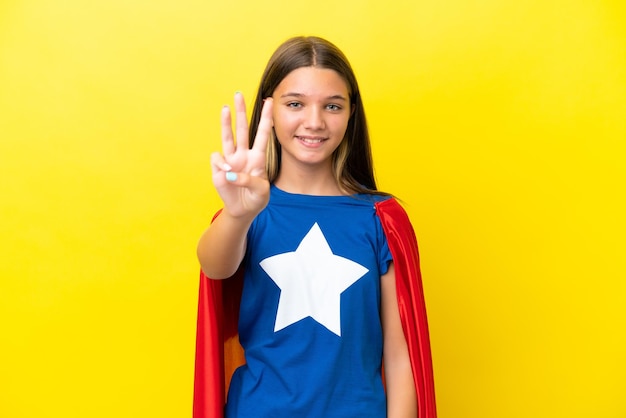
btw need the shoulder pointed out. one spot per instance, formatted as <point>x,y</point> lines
<point>394,217</point>
<point>389,204</point>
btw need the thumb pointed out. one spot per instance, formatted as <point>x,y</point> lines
<point>257,185</point>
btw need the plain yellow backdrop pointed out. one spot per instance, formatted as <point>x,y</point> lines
<point>500,124</point>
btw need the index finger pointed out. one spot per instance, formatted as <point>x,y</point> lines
<point>264,131</point>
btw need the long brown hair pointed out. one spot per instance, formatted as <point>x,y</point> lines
<point>352,160</point>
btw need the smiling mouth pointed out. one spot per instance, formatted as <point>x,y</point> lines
<point>311,140</point>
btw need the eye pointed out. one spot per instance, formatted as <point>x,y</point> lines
<point>294,105</point>
<point>333,107</point>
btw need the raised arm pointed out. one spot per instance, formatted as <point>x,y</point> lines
<point>240,179</point>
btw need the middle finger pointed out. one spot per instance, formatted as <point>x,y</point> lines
<point>241,122</point>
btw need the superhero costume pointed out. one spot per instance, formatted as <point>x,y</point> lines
<point>218,351</point>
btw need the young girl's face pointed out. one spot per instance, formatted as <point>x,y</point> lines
<point>311,113</point>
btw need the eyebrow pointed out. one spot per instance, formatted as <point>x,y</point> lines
<point>333,97</point>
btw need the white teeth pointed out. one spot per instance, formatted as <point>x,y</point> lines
<point>311,141</point>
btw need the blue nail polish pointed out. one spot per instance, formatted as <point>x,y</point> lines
<point>230,176</point>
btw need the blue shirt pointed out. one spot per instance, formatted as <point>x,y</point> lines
<point>310,310</point>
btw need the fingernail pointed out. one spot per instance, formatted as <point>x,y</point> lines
<point>230,176</point>
<point>226,167</point>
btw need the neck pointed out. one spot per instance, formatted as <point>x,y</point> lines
<point>310,181</point>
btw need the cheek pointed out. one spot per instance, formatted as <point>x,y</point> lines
<point>341,126</point>
<point>281,130</point>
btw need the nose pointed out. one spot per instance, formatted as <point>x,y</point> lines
<point>314,119</point>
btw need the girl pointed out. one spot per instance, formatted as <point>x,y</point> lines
<point>330,289</point>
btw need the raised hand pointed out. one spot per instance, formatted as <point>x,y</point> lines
<point>239,172</point>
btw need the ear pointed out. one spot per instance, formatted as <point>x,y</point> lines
<point>352,109</point>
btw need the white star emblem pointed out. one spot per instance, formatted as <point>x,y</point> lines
<point>311,280</point>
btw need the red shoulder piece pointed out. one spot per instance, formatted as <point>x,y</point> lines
<point>403,246</point>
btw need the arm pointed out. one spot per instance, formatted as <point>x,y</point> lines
<point>400,387</point>
<point>240,180</point>
<point>222,246</point>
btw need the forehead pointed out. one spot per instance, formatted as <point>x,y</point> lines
<point>311,81</point>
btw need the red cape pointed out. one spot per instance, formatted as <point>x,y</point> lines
<point>218,352</point>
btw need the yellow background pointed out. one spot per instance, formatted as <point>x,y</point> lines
<point>500,124</point>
